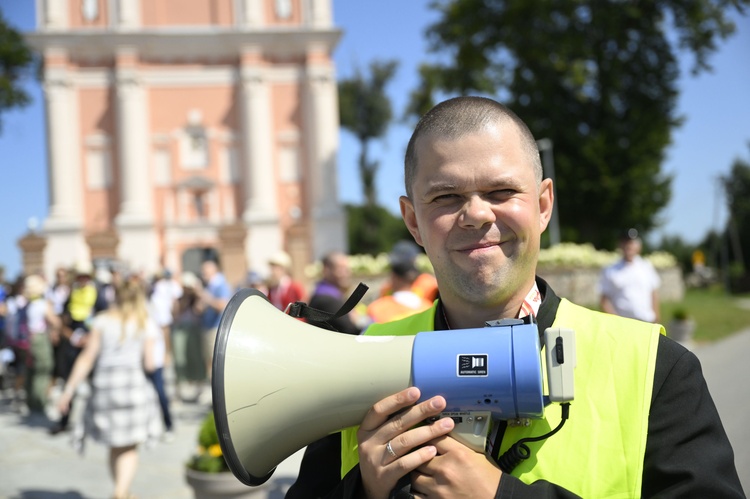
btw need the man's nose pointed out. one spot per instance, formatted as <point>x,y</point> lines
<point>476,213</point>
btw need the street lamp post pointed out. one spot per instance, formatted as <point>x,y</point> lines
<point>548,165</point>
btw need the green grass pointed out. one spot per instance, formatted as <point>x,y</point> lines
<point>716,313</point>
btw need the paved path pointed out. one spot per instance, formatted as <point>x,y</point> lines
<point>34,465</point>
<point>726,366</point>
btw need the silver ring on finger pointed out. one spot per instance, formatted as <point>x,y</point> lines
<point>389,450</point>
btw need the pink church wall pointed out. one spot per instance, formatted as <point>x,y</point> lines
<point>97,120</point>
<point>187,12</point>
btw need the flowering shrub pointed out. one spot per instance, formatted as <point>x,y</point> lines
<point>567,255</point>
<point>209,457</point>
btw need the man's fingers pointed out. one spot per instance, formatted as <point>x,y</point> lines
<point>412,460</point>
<point>403,443</point>
<point>383,409</point>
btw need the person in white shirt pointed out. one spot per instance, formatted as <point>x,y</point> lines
<point>165,291</point>
<point>630,287</point>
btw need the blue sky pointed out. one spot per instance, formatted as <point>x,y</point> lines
<point>716,131</point>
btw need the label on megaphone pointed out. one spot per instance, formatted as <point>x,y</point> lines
<point>496,369</point>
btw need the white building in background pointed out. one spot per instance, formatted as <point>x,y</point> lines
<point>177,129</point>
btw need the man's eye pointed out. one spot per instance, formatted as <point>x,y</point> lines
<point>502,193</point>
<point>445,197</point>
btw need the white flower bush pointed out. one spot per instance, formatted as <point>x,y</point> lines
<point>569,255</point>
<point>564,255</point>
<point>576,255</point>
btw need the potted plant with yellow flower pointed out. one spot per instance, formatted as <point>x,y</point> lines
<point>207,471</point>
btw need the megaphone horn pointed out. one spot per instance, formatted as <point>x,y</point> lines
<point>279,384</point>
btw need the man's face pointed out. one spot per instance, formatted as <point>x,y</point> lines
<point>630,249</point>
<point>479,213</point>
<point>276,273</point>
<point>339,272</point>
<point>208,271</point>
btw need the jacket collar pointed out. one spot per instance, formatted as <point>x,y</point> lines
<point>544,319</point>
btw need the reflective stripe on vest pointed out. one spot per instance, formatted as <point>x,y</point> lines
<point>599,452</point>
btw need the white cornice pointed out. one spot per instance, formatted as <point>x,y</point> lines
<point>184,77</point>
<point>186,45</point>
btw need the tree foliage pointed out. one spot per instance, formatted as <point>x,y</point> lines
<point>15,59</point>
<point>737,188</point>
<point>597,77</point>
<point>365,110</point>
<point>365,241</point>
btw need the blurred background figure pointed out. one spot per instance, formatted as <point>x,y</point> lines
<point>105,288</point>
<point>40,326</point>
<point>402,300</point>
<point>187,339</point>
<point>122,410</point>
<point>57,294</point>
<point>79,309</point>
<point>282,289</point>
<point>630,287</point>
<point>59,291</point>
<point>256,281</point>
<point>214,297</point>
<point>404,254</point>
<point>157,378</point>
<point>331,291</point>
<point>18,341</point>
<point>165,291</point>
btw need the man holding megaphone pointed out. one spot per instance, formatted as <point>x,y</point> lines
<point>642,424</point>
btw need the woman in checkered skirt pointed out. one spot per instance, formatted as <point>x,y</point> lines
<point>122,411</point>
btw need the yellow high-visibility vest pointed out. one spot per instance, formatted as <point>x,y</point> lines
<point>599,451</point>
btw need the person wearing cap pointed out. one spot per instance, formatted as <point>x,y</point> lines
<point>630,287</point>
<point>403,300</point>
<point>404,254</point>
<point>282,289</point>
<point>256,281</point>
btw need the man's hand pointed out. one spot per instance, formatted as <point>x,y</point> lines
<point>456,472</point>
<point>382,466</point>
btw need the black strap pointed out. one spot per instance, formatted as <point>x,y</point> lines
<point>302,310</point>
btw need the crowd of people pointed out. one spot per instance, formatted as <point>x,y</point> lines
<point>89,352</point>
<point>46,324</point>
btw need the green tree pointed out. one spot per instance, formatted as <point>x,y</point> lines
<point>15,59</point>
<point>681,250</point>
<point>365,110</point>
<point>363,240</point>
<point>597,77</point>
<point>737,188</point>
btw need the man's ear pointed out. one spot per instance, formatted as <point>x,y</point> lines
<point>410,218</point>
<point>546,203</point>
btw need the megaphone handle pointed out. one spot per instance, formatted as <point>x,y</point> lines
<point>471,428</point>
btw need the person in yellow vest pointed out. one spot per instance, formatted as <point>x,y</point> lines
<point>83,302</point>
<point>402,301</point>
<point>642,424</point>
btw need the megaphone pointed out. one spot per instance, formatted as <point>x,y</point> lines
<point>280,384</point>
